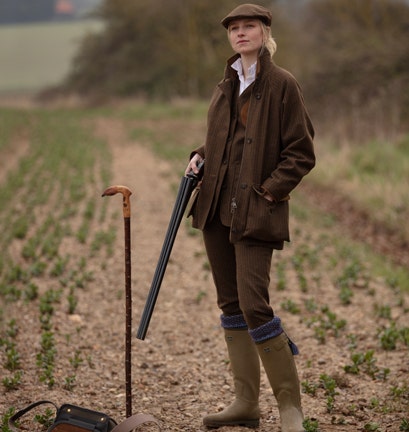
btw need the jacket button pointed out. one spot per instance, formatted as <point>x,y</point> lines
<point>249,141</point>
<point>258,96</point>
<point>243,185</point>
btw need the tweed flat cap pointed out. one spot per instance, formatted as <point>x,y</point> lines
<point>248,10</point>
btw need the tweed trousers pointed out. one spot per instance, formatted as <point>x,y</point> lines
<point>241,273</point>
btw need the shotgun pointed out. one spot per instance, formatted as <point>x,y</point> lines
<point>186,187</point>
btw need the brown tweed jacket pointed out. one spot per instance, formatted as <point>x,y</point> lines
<point>278,152</point>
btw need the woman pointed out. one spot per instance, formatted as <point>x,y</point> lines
<point>258,148</point>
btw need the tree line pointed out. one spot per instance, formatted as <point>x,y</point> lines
<point>19,11</point>
<point>350,56</point>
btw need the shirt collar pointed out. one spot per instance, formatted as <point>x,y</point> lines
<point>251,74</point>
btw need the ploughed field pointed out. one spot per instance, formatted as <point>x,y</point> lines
<point>338,291</point>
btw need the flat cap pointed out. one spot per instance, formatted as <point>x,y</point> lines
<point>248,10</point>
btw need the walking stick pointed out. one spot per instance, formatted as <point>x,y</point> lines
<point>187,184</point>
<point>126,205</point>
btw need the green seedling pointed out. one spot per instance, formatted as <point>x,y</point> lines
<point>104,238</point>
<point>404,335</point>
<point>404,426</point>
<point>12,383</point>
<point>383,311</point>
<point>281,279</point>
<point>347,279</point>
<point>50,246</point>
<point>29,249</point>
<point>90,363</point>
<point>72,301</point>
<point>325,322</point>
<point>76,360</point>
<point>352,341</point>
<point>346,295</point>
<point>69,382</point>
<point>290,306</point>
<point>309,388</point>
<point>12,329</point>
<point>31,292</point>
<point>20,227</point>
<point>400,392</point>
<point>366,362</point>
<point>329,385</point>
<point>200,296</point>
<point>46,358</point>
<point>389,337</point>
<point>5,419</point>
<point>310,305</point>
<point>59,267</point>
<point>371,427</point>
<point>16,274</point>
<point>46,419</point>
<point>12,362</point>
<point>311,425</point>
<point>11,293</point>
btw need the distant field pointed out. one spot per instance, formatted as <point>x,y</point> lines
<point>34,56</point>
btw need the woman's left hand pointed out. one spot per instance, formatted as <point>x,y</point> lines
<point>268,197</point>
<point>192,166</point>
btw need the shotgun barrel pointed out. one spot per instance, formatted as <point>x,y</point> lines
<point>186,187</point>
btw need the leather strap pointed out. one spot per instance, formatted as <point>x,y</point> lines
<point>128,425</point>
<point>132,422</point>
<point>12,420</point>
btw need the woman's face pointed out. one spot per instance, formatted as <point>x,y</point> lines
<point>246,36</point>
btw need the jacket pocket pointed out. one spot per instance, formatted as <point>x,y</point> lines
<point>267,221</point>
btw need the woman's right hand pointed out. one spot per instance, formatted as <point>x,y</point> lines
<point>192,166</point>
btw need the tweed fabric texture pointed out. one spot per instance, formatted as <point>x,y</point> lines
<point>277,152</point>
<point>241,273</point>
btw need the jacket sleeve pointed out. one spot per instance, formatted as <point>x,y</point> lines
<point>199,150</point>
<point>297,156</point>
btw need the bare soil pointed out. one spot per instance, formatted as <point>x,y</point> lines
<point>180,371</point>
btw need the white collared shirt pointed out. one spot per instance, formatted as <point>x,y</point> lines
<point>251,74</point>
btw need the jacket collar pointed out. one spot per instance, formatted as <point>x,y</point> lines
<point>264,65</point>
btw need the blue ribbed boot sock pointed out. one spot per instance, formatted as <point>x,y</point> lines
<point>271,330</point>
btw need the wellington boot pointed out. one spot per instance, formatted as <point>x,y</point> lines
<point>281,371</point>
<point>245,366</point>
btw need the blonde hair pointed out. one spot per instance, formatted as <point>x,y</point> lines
<point>269,42</point>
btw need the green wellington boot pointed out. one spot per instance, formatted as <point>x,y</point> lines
<point>245,366</point>
<point>281,371</point>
